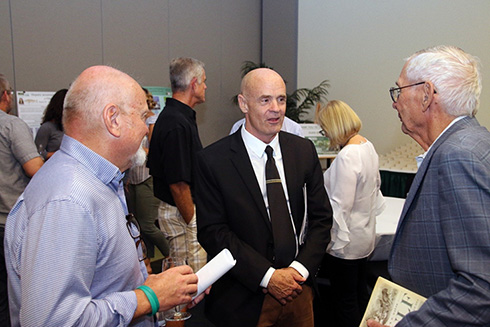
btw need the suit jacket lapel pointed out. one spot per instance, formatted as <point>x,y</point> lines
<point>244,169</point>
<point>422,171</point>
<point>291,171</point>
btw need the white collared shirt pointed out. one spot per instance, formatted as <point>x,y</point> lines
<point>256,153</point>
<point>420,158</point>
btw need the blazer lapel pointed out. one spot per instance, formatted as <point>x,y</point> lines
<point>244,169</point>
<point>290,162</point>
<point>422,171</point>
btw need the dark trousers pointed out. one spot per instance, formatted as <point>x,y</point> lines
<point>4,301</point>
<point>350,296</point>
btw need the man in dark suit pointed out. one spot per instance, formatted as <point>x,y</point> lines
<point>441,249</point>
<point>233,212</point>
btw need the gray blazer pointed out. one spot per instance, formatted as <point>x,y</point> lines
<point>441,248</point>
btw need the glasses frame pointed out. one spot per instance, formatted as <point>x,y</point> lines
<point>9,91</point>
<point>131,220</point>
<point>396,91</point>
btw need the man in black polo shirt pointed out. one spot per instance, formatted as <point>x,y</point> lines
<point>171,159</point>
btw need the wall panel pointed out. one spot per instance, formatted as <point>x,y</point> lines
<point>6,54</point>
<point>360,46</point>
<point>135,38</point>
<point>54,40</point>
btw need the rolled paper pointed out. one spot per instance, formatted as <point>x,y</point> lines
<point>213,270</point>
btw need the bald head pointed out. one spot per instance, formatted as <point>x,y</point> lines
<point>257,78</point>
<point>105,109</point>
<point>263,101</point>
<point>92,90</point>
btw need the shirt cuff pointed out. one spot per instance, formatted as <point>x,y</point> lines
<point>267,277</point>
<point>300,268</point>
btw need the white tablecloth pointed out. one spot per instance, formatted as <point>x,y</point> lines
<point>386,224</point>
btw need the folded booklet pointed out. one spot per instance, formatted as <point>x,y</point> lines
<point>390,302</point>
<point>213,270</point>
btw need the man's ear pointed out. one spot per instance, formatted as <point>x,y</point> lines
<point>193,83</point>
<point>112,119</point>
<point>428,95</point>
<point>242,103</point>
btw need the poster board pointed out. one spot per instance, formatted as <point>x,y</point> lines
<point>31,105</point>
<point>322,143</point>
<point>160,94</point>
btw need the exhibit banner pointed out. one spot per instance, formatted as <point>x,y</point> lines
<point>31,105</point>
<point>160,94</point>
<point>313,133</point>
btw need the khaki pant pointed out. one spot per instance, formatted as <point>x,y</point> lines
<point>298,313</point>
<point>181,237</point>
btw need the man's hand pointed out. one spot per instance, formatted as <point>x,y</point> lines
<point>374,323</point>
<point>181,193</point>
<point>284,285</point>
<point>174,286</point>
<point>199,298</point>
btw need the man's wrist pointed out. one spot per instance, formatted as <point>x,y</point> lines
<point>300,269</point>
<point>267,277</point>
<point>152,298</point>
<point>143,305</point>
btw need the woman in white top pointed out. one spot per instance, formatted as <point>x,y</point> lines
<point>352,183</point>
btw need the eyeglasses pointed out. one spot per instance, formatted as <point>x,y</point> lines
<point>395,91</point>
<point>9,91</point>
<point>135,233</point>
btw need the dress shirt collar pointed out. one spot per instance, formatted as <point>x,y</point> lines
<point>103,169</point>
<point>420,158</point>
<point>187,111</point>
<point>257,146</point>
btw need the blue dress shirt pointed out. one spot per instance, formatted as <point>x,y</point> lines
<point>70,258</point>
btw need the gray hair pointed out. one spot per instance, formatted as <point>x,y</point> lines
<point>4,83</point>
<point>454,73</point>
<point>183,70</point>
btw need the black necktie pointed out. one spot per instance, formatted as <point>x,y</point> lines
<point>282,229</point>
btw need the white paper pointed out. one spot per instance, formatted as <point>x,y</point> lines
<point>213,270</point>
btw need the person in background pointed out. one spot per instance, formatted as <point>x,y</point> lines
<point>74,254</point>
<point>441,247</point>
<point>48,137</point>
<point>19,161</point>
<point>172,160</point>
<point>288,125</point>
<point>257,189</point>
<point>141,201</point>
<point>352,182</point>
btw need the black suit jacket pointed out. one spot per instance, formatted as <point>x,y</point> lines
<point>231,214</point>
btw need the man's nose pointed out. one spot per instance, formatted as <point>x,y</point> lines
<point>275,105</point>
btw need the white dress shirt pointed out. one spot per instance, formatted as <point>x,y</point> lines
<point>256,152</point>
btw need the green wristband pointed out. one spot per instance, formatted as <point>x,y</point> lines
<point>152,297</point>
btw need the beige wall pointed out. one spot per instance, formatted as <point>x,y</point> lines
<point>360,46</point>
<point>45,44</point>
